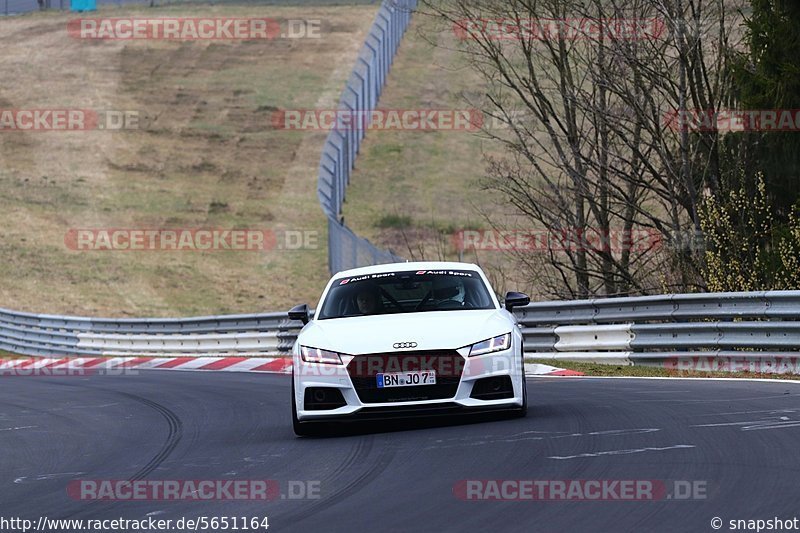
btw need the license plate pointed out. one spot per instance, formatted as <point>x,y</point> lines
<point>406,379</point>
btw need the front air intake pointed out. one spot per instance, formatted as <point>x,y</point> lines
<point>323,399</point>
<point>494,388</point>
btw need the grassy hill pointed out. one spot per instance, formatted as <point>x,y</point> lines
<point>204,156</point>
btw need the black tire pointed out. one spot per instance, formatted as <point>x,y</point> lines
<point>302,429</point>
<point>523,410</point>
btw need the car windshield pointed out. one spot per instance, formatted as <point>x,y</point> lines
<point>413,291</point>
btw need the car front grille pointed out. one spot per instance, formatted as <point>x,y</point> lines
<point>447,364</point>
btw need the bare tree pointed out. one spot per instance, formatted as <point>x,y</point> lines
<point>598,85</point>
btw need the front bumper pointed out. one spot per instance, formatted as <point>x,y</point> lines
<point>453,397</point>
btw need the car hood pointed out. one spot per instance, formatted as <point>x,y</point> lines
<point>432,330</point>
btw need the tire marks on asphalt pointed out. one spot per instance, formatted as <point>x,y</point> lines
<point>348,488</point>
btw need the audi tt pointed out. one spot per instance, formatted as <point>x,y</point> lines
<point>403,340</point>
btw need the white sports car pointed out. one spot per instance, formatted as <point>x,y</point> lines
<point>407,339</point>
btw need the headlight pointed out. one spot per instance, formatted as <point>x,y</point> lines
<point>315,355</point>
<point>495,344</point>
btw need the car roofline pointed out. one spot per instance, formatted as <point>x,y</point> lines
<point>410,265</point>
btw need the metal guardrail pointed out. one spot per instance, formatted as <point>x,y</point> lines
<point>674,307</point>
<point>675,331</point>
<point>345,248</point>
<point>759,329</point>
<point>48,335</point>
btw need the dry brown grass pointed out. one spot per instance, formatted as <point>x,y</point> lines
<point>205,157</point>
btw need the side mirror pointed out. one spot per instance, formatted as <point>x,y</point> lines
<point>516,299</point>
<point>299,312</point>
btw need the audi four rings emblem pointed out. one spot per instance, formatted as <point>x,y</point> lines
<point>399,345</point>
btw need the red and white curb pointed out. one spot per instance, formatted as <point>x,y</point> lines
<point>280,365</point>
<point>536,369</point>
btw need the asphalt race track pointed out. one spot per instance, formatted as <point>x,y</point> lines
<point>737,441</point>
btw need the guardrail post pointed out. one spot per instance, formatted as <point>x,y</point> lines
<point>361,106</point>
<point>350,137</point>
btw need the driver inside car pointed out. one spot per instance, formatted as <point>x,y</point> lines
<point>448,294</point>
<point>368,300</point>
